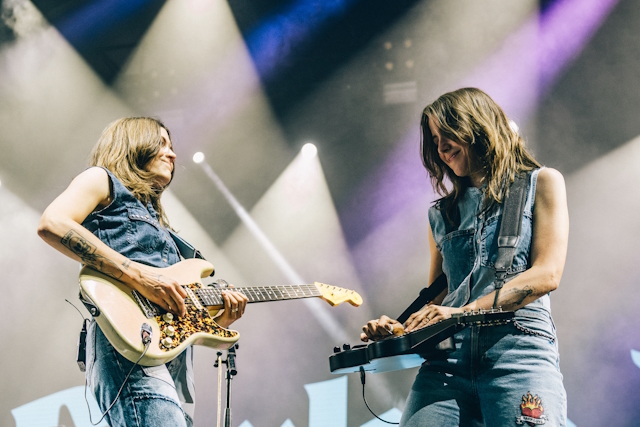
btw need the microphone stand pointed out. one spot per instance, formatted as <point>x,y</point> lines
<point>231,371</point>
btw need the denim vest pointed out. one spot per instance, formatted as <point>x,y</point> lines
<point>470,250</point>
<point>133,230</point>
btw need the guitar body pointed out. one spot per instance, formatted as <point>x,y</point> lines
<point>120,311</point>
<point>398,352</point>
<point>120,316</point>
<point>409,350</point>
<point>349,361</point>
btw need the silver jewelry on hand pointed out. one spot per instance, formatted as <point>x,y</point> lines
<point>222,283</point>
<point>233,310</point>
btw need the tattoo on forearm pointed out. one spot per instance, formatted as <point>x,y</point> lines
<point>87,253</point>
<point>513,298</point>
<point>126,264</point>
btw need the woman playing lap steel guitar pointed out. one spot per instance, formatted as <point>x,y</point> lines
<point>497,375</point>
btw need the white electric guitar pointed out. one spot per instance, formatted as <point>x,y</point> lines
<point>120,312</point>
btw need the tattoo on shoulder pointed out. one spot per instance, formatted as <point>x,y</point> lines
<point>87,253</point>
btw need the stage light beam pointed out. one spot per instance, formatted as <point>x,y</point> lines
<point>325,319</point>
<point>514,126</point>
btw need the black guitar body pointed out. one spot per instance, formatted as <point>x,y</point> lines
<point>412,349</point>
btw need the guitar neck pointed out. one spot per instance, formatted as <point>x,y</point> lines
<point>212,296</point>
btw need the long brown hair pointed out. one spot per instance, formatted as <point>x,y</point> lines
<point>125,147</point>
<point>469,116</point>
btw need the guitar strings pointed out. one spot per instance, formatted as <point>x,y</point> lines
<point>263,293</point>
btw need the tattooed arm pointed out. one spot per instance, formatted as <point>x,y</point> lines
<point>548,254</point>
<point>548,247</point>
<point>60,226</point>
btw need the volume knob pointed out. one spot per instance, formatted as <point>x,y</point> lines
<point>168,317</point>
<point>167,342</point>
<point>169,331</point>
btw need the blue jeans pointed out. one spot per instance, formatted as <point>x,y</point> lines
<point>497,376</point>
<point>148,398</point>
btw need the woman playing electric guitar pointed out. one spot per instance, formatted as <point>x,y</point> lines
<point>111,219</point>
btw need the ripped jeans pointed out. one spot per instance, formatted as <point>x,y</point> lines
<point>149,397</point>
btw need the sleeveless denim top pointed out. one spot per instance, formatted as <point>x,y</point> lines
<point>133,230</point>
<point>470,250</point>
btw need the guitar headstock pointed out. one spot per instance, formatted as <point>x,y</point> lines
<point>335,295</point>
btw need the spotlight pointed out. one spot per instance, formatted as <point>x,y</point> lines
<point>198,157</point>
<point>514,127</point>
<point>309,150</point>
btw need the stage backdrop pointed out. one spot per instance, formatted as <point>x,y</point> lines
<point>354,216</point>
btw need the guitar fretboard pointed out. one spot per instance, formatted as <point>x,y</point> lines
<point>211,296</point>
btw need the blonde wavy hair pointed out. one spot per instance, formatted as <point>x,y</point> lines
<point>125,147</point>
<point>469,116</point>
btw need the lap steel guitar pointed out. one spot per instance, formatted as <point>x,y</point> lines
<point>411,349</point>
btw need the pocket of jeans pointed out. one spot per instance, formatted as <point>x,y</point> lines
<point>535,321</point>
<point>143,231</point>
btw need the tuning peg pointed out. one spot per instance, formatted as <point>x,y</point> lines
<point>336,349</point>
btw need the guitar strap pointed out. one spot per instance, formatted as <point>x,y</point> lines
<point>426,296</point>
<point>510,230</point>
<point>185,248</point>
